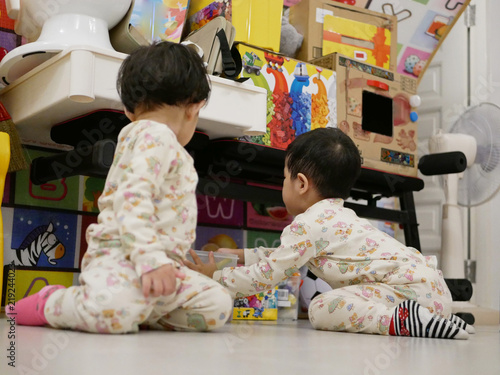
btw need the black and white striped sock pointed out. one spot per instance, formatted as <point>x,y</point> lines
<point>461,323</point>
<point>411,319</point>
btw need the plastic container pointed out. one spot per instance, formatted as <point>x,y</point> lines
<point>222,260</point>
<point>288,299</point>
<point>80,80</point>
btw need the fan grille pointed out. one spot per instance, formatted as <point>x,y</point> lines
<point>480,181</point>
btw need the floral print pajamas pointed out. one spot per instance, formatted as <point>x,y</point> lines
<point>147,219</point>
<point>370,272</point>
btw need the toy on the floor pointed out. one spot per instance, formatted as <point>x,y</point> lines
<point>262,306</point>
<point>311,287</point>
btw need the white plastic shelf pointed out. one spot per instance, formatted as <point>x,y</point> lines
<point>80,80</point>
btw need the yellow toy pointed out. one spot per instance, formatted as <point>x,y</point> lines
<point>4,166</point>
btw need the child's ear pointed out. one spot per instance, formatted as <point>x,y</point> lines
<point>193,109</point>
<point>303,183</point>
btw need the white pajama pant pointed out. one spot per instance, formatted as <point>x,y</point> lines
<point>109,299</point>
<point>369,307</point>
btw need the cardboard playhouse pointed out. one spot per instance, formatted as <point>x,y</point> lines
<point>374,107</point>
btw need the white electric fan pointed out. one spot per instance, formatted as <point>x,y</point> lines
<point>476,133</point>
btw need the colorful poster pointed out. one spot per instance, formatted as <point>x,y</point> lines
<point>199,17</point>
<point>413,61</point>
<point>264,216</point>
<point>42,239</point>
<point>422,26</point>
<point>86,220</point>
<point>60,194</point>
<point>8,41</point>
<point>26,282</point>
<point>5,21</point>
<point>92,190</point>
<point>264,239</point>
<point>160,20</point>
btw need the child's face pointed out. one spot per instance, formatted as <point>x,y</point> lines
<point>290,194</point>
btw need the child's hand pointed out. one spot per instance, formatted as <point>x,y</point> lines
<point>161,281</point>
<point>239,252</point>
<point>206,269</point>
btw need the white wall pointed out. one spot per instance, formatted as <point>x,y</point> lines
<point>485,87</point>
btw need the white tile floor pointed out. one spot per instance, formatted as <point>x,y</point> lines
<point>246,348</point>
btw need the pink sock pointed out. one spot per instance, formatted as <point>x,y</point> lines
<point>29,311</point>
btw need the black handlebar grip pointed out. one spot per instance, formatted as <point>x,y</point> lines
<point>460,289</point>
<point>442,163</point>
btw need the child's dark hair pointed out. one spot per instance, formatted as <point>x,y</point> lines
<point>162,73</point>
<point>328,157</point>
